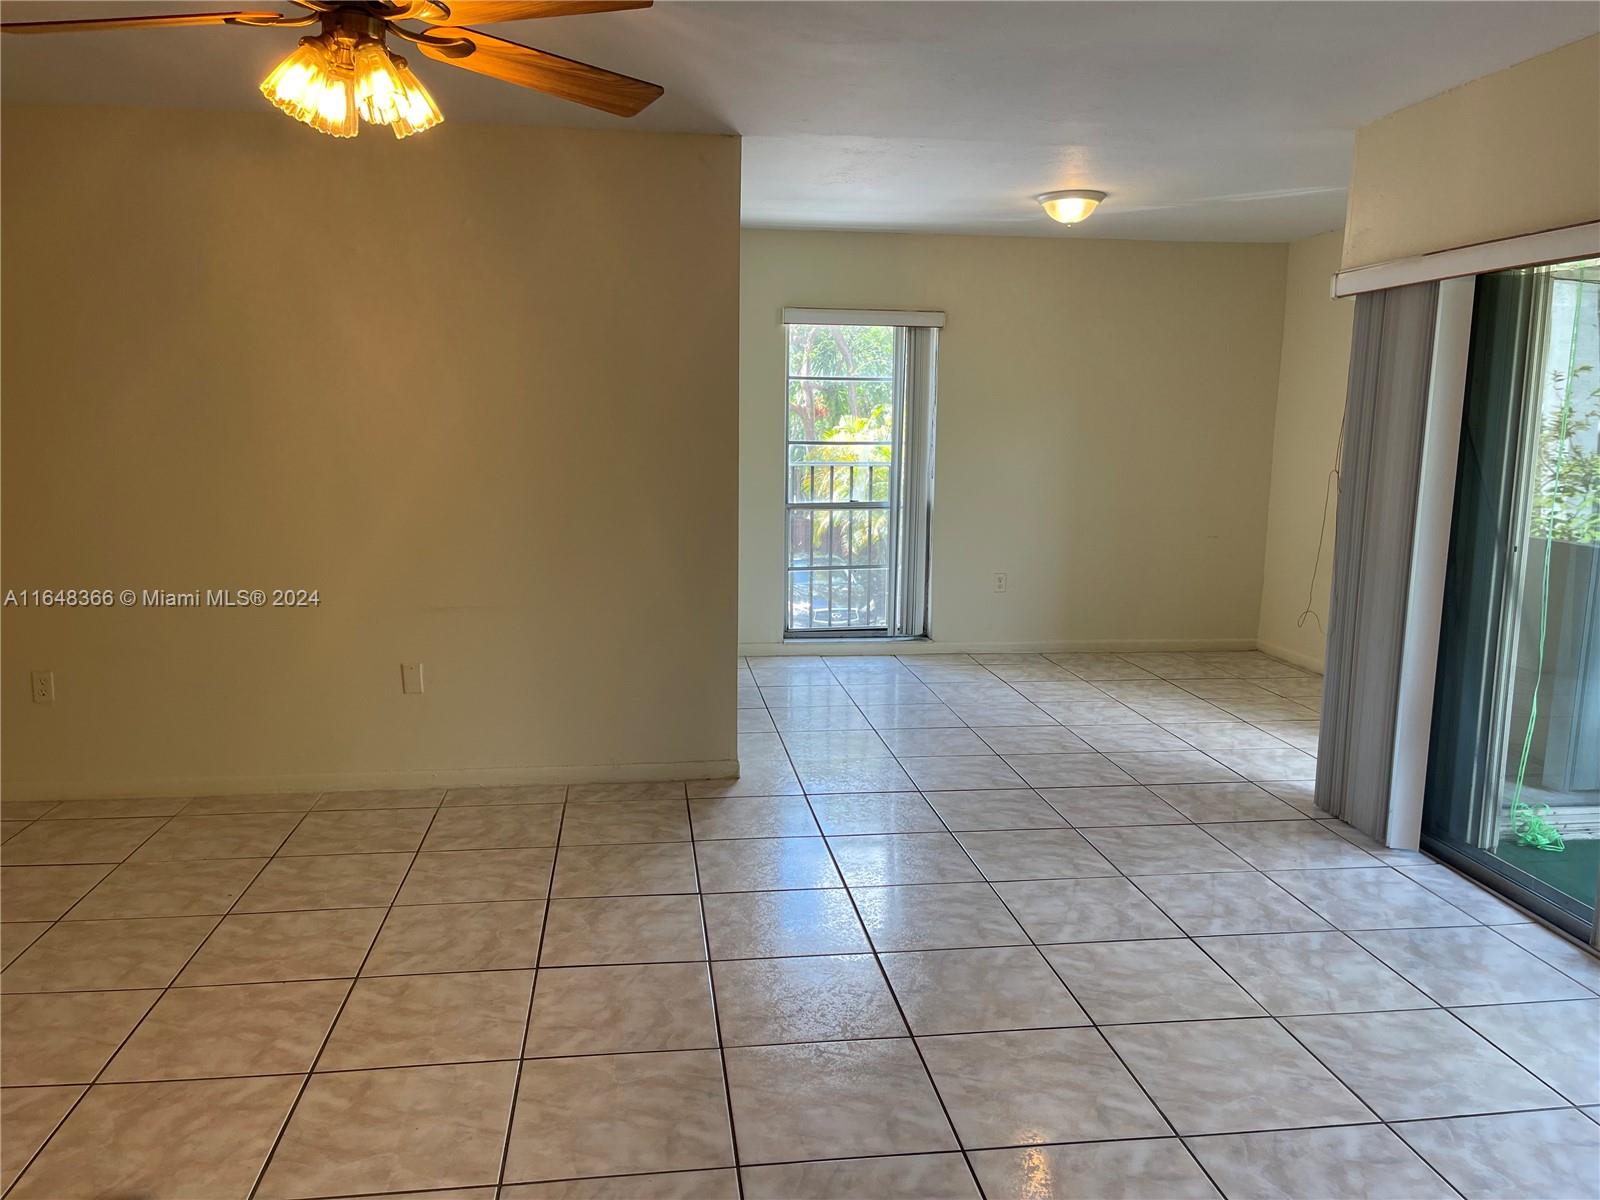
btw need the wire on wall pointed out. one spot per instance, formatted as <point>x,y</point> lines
<point>1329,491</point>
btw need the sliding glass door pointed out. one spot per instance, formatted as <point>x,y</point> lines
<point>1514,770</point>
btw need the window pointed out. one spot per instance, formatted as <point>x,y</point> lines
<point>858,486</point>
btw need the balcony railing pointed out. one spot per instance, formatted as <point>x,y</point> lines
<point>839,543</point>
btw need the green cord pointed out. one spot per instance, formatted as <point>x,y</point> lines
<point>1534,826</point>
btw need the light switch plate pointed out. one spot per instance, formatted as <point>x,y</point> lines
<point>411,678</point>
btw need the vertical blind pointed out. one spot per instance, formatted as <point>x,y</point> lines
<point>1385,418</point>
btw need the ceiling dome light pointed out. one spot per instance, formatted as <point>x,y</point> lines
<point>1071,206</point>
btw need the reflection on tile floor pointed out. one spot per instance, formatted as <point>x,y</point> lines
<point>1004,925</point>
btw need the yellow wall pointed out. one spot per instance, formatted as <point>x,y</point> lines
<point>467,385</point>
<point>1512,153</point>
<point>1311,398</point>
<point>1104,435</point>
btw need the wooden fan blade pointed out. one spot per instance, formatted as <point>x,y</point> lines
<point>620,95</point>
<point>104,23</point>
<point>489,12</point>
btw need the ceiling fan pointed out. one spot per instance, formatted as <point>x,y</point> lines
<point>345,73</point>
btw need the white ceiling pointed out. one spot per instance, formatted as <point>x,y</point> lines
<point>1213,121</point>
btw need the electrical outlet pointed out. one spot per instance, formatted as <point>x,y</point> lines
<point>411,678</point>
<point>999,581</point>
<point>44,687</point>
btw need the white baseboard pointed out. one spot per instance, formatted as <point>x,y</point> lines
<point>1310,662</point>
<point>234,785</point>
<point>931,646</point>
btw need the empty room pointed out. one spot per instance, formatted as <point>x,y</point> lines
<point>855,600</point>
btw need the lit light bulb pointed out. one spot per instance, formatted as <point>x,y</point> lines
<point>380,93</point>
<point>1070,207</point>
<point>295,84</point>
<point>418,113</point>
<point>336,103</point>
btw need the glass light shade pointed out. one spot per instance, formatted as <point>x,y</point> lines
<point>295,84</point>
<point>331,83</point>
<point>336,112</point>
<point>1070,207</point>
<point>418,112</point>
<point>380,92</point>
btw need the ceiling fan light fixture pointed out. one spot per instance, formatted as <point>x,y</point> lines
<point>332,83</point>
<point>345,74</point>
<point>1071,205</point>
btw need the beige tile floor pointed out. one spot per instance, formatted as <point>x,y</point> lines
<point>1004,926</point>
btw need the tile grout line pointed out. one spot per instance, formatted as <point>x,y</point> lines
<point>716,1008</point>
<point>888,985</point>
<point>533,992</point>
<point>377,933</point>
<point>1510,924</point>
